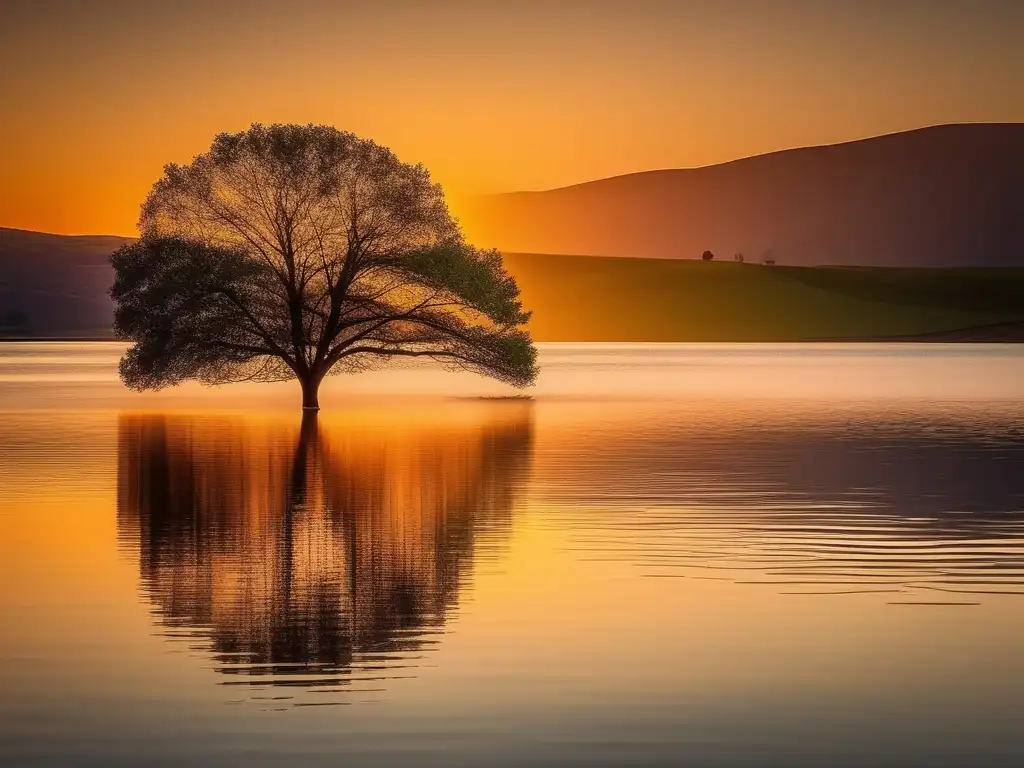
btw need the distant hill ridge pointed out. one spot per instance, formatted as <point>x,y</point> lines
<point>55,285</point>
<point>944,196</point>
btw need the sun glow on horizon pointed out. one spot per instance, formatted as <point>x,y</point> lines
<point>489,98</point>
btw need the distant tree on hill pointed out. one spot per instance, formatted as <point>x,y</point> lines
<point>738,257</point>
<point>300,251</point>
<point>707,256</point>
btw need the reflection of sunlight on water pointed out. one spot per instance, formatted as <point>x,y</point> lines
<point>839,497</point>
<point>693,551</point>
<point>741,371</point>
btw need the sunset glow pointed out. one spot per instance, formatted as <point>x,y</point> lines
<point>490,97</point>
<point>512,383</point>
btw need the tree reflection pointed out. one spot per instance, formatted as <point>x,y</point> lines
<point>322,549</point>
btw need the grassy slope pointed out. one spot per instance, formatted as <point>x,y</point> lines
<point>585,298</point>
<point>588,298</point>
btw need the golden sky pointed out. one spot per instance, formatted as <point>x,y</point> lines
<point>491,96</point>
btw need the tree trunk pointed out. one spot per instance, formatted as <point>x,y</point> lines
<point>310,393</point>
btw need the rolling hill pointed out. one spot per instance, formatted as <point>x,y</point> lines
<point>58,284</point>
<point>945,196</point>
<point>587,298</point>
<point>54,285</point>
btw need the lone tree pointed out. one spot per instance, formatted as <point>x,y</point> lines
<point>297,251</point>
<point>707,256</point>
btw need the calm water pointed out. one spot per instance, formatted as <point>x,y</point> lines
<point>700,555</point>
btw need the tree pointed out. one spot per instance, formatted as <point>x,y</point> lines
<point>707,256</point>
<point>301,251</point>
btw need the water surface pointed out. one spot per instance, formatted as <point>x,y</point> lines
<point>681,554</point>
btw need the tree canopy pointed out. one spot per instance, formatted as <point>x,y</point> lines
<point>292,251</point>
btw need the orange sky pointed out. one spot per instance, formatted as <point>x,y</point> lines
<point>490,96</point>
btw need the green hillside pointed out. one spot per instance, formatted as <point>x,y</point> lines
<point>588,298</point>
<point>55,286</point>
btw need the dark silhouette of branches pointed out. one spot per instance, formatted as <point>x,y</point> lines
<point>297,251</point>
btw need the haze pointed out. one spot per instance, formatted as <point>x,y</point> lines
<point>490,96</point>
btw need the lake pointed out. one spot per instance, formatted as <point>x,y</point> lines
<point>703,555</point>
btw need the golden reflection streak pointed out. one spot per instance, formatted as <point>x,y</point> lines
<point>294,546</point>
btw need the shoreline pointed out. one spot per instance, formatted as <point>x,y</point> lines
<point>997,333</point>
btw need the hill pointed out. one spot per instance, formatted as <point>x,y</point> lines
<point>586,298</point>
<point>945,196</point>
<point>54,285</point>
<point>59,285</point>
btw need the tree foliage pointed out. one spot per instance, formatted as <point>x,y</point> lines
<point>297,251</point>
